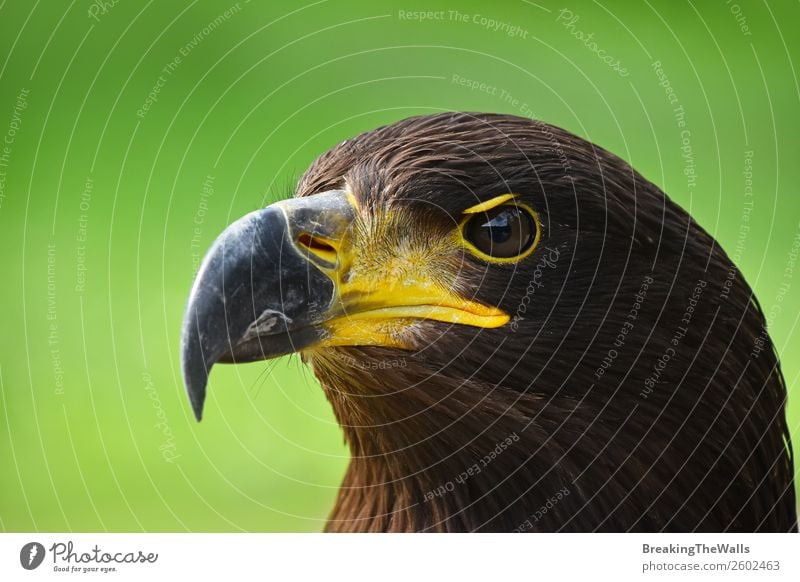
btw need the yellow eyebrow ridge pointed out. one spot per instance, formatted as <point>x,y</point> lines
<point>489,204</point>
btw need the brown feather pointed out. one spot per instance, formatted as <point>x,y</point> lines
<point>700,445</point>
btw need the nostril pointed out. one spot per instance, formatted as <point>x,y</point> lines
<point>318,246</point>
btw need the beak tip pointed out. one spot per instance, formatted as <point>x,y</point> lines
<point>196,389</point>
<point>198,411</point>
<point>195,376</point>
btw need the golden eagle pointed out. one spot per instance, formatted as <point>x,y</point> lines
<point>516,332</point>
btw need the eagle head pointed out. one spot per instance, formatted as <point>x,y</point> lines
<point>516,332</point>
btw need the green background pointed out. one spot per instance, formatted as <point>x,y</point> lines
<point>95,429</point>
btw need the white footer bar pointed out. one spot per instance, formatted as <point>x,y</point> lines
<point>406,558</point>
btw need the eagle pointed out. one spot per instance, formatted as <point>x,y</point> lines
<point>516,331</point>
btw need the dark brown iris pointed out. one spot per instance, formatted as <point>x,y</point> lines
<point>503,232</point>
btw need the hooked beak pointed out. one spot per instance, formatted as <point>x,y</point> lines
<point>279,280</point>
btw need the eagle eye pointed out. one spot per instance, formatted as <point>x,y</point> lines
<point>504,232</point>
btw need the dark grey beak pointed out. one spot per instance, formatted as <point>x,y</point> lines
<point>258,293</point>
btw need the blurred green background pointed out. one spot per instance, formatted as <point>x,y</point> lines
<point>135,132</point>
